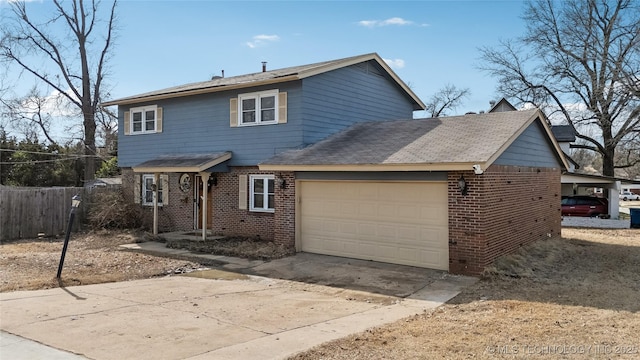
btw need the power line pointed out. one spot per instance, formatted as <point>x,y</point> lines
<point>40,152</point>
<point>31,162</point>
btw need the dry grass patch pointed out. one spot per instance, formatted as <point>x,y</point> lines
<point>91,258</point>
<point>572,298</point>
<point>234,246</point>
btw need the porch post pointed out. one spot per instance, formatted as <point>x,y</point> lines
<point>205,180</point>
<point>156,181</point>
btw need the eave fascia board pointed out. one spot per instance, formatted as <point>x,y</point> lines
<point>375,167</point>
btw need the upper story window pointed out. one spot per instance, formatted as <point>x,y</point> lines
<point>259,108</point>
<point>144,120</point>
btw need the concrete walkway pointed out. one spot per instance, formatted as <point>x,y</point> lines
<point>218,314</point>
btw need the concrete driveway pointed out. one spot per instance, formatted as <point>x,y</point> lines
<point>217,314</point>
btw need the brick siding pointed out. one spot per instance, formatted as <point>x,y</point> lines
<point>228,219</point>
<point>506,207</point>
<point>225,217</point>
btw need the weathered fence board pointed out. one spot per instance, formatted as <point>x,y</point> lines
<point>27,212</point>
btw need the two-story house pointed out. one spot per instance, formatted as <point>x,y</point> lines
<point>327,158</point>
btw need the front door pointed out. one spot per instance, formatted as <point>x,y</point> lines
<point>197,204</point>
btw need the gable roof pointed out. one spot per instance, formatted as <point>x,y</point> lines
<point>432,144</point>
<point>502,105</point>
<point>265,78</point>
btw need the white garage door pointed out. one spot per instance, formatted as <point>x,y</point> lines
<point>395,222</point>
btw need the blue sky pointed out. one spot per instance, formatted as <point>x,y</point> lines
<point>430,43</point>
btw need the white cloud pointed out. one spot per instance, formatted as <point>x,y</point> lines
<point>395,63</point>
<point>397,21</point>
<point>55,105</point>
<point>262,40</point>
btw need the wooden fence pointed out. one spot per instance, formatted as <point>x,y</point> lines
<point>29,212</point>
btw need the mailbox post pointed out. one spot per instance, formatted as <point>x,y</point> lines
<point>75,202</point>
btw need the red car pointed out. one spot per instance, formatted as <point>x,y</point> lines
<point>584,206</point>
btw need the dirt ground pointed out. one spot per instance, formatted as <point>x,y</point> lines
<point>91,258</point>
<point>576,297</point>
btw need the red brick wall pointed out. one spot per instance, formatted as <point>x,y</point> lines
<point>506,207</point>
<point>225,218</point>
<point>285,215</point>
<point>467,240</point>
<point>228,219</point>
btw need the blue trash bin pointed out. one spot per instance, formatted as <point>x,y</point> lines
<point>635,218</point>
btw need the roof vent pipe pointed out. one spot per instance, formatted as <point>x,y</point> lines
<point>264,66</point>
<point>222,73</point>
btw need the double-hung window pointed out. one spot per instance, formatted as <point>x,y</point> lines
<point>147,190</point>
<point>259,108</point>
<point>144,119</point>
<point>261,193</point>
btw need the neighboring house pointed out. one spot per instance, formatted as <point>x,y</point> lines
<point>576,183</point>
<point>565,136</point>
<point>326,158</point>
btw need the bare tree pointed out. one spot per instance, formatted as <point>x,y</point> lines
<point>580,62</point>
<point>446,99</point>
<point>29,113</point>
<point>74,63</point>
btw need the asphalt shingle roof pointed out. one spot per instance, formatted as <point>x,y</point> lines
<point>199,161</point>
<point>266,77</point>
<point>473,138</point>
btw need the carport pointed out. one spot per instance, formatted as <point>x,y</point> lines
<point>577,184</point>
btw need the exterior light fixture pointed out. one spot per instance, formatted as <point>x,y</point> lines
<point>75,202</point>
<point>282,183</point>
<point>213,181</point>
<point>462,185</point>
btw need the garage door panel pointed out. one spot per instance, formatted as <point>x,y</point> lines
<point>404,223</point>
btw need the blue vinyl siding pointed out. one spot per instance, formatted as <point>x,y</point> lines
<point>317,107</point>
<point>531,148</point>
<point>340,98</point>
<point>200,124</point>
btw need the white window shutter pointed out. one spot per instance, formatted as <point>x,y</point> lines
<point>159,120</point>
<point>127,123</point>
<point>233,112</point>
<point>282,108</point>
<point>242,192</point>
<point>164,179</point>
<point>137,188</point>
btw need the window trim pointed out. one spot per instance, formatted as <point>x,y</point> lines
<point>143,190</point>
<point>143,110</point>
<point>257,96</point>
<point>265,193</point>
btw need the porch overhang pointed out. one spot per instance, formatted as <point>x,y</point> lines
<point>182,163</point>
